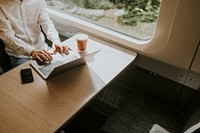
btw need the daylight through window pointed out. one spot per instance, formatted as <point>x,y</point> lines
<point>135,18</point>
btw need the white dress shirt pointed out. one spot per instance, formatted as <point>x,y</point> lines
<point>20,24</point>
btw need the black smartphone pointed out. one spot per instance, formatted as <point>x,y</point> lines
<point>26,75</point>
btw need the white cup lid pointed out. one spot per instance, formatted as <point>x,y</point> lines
<point>81,36</point>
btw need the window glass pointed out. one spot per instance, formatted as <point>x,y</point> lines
<point>135,18</point>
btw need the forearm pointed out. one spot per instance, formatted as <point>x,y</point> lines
<point>15,44</point>
<point>50,32</point>
<point>48,25</point>
<point>12,42</point>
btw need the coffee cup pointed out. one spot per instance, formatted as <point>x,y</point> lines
<point>81,40</point>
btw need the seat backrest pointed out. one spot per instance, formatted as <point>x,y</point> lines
<point>4,58</point>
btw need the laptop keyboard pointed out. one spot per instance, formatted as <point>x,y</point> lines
<point>48,68</point>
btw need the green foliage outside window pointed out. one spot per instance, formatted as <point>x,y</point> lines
<point>135,10</point>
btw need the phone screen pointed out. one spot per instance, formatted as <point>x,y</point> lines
<point>26,75</point>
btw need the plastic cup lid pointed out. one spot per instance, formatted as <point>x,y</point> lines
<point>81,36</point>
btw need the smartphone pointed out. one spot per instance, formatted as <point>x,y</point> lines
<point>26,75</point>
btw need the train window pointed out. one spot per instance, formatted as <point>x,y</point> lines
<point>133,18</point>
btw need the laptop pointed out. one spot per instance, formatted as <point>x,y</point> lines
<point>62,63</point>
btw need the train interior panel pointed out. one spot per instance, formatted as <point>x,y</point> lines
<point>159,90</point>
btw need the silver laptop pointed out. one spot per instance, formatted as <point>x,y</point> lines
<point>61,63</point>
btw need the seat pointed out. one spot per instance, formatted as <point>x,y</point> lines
<point>4,58</point>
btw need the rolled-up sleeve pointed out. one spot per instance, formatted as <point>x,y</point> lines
<point>7,34</point>
<point>47,24</point>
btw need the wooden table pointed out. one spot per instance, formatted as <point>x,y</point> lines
<point>45,105</point>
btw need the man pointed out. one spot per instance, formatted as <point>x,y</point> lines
<point>20,29</point>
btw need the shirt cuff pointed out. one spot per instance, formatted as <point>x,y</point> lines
<point>57,41</point>
<point>29,49</point>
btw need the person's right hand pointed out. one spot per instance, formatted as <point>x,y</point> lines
<point>61,49</point>
<point>41,55</point>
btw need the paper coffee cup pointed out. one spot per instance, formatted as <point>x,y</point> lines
<point>81,39</point>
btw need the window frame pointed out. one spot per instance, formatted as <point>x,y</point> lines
<point>158,41</point>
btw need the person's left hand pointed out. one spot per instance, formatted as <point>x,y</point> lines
<point>61,49</point>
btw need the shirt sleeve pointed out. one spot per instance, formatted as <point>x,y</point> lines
<point>47,24</point>
<point>7,35</point>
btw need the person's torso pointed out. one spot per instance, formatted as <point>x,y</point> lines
<point>23,17</point>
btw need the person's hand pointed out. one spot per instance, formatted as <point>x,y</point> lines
<point>61,49</point>
<point>41,55</point>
